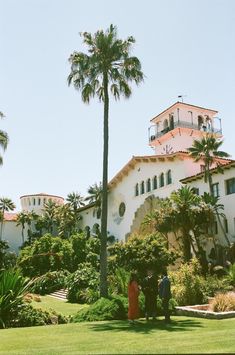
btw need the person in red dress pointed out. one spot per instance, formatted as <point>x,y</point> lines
<point>133,298</point>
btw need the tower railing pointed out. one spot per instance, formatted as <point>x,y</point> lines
<point>181,124</point>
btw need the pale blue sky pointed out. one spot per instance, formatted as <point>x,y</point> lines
<point>186,47</point>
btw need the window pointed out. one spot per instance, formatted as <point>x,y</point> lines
<point>34,201</point>
<point>39,202</point>
<point>137,190</point>
<point>195,190</point>
<point>142,187</point>
<point>230,186</point>
<point>215,190</point>
<point>168,177</point>
<point>148,185</point>
<point>29,202</point>
<point>155,182</point>
<point>122,209</point>
<point>161,180</point>
<point>226,225</point>
<point>216,227</point>
<point>44,200</point>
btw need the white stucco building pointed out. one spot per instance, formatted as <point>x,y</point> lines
<point>131,189</point>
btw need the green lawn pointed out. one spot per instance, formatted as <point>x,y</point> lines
<point>59,306</point>
<point>184,335</point>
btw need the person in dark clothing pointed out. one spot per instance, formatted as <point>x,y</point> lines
<point>150,290</point>
<point>165,295</point>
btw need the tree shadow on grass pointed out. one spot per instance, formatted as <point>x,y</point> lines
<point>147,327</point>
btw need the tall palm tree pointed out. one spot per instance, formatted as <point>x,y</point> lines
<point>6,205</point>
<point>22,220</point>
<point>75,200</point>
<point>4,139</point>
<point>95,196</point>
<point>49,215</point>
<point>207,150</point>
<point>107,69</point>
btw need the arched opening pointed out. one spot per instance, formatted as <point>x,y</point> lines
<point>137,189</point>
<point>155,182</point>
<point>148,185</point>
<point>165,124</point>
<point>142,187</point>
<point>168,177</point>
<point>200,122</point>
<point>171,122</point>
<point>161,180</point>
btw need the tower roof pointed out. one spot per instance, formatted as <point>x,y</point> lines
<point>182,104</point>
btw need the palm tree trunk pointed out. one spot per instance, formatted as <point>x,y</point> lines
<point>2,221</point>
<point>104,210</point>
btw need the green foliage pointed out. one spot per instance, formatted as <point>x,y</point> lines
<point>213,284</point>
<point>13,287</point>
<point>7,259</point>
<point>83,284</point>
<point>118,281</point>
<point>30,317</point>
<point>140,253</point>
<point>50,282</point>
<point>231,274</point>
<point>187,284</point>
<point>223,302</point>
<point>46,254</point>
<point>103,309</point>
<point>53,253</point>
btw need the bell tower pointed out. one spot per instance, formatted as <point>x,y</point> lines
<point>178,126</point>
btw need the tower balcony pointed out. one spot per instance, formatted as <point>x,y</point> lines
<point>155,133</point>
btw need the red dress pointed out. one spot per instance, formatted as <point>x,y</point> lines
<point>133,294</point>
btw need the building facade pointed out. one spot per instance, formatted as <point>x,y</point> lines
<point>145,178</point>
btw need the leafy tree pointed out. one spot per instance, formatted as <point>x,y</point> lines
<point>108,68</point>
<point>6,205</point>
<point>141,253</point>
<point>4,139</point>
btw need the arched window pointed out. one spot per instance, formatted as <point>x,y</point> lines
<point>148,185</point>
<point>200,122</point>
<point>155,182</point>
<point>142,187</point>
<point>168,177</point>
<point>165,124</point>
<point>137,189</point>
<point>161,180</point>
<point>171,119</point>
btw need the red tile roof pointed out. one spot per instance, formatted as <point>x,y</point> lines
<point>10,216</point>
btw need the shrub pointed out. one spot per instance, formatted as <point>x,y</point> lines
<point>83,285</point>
<point>29,317</point>
<point>231,274</point>
<point>187,284</point>
<point>50,282</point>
<point>103,309</point>
<point>223,302</point>
<point>118,281</point>
<point>213,285</point>
<point>13,287</point>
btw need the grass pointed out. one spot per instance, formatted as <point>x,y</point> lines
<point>59,306</point>
<point>184,335</point>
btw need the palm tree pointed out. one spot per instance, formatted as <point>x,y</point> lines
<point>4,139</point>
<point>75,200</point>
<point>207,150</point>
<point>6,205</point>
<point>49,215</point>
<point>95,196</point>
<point>108,68</point>
<point>22,220</point>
